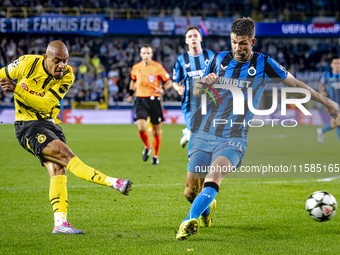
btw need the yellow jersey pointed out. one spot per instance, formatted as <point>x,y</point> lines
<point>37,93</point>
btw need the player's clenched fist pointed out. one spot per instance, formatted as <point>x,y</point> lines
<point>7,85</point>
<point>129,99</point>
<point>210,79</point>
<point>332,108</point>
<point>181,90</point>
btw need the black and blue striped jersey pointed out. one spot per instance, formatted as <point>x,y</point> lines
<point>189,68</point>
<point>254,74</point>
<point>331,82</point>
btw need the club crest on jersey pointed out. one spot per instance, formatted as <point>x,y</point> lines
<point>63,89</point>
<point>151,78</point>
<point>206,61</point>
<point>41,138</point>
<point>251,71</point>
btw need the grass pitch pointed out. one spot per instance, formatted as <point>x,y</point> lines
<point>253,215</point>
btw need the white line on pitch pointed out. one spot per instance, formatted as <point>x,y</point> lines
<point>182,184</point>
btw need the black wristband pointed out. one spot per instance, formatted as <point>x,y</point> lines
<point>131,91</point>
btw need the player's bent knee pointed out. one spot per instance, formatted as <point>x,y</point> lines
<point>156,133</point>
<point>58,150</point>
<point>54,169</point>
<point>141,130</point>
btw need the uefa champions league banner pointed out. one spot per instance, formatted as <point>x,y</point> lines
<point>221,27</point>
<point>93,25</point>
<point>296,29</point>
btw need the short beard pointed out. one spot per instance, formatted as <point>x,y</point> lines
<point>243,56</point>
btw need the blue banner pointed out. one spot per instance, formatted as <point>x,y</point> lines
<point>96,25</point>
<point>296,29</point>
<point>128,27</point>
<point>93,25</point>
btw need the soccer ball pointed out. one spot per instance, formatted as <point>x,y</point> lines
<point>321,206</point>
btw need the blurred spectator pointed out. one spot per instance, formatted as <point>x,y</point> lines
<point>97,64</point>
<point>80,96</point>
<point>288,10</point>
<point>113,85</point>
<point>83,68</point>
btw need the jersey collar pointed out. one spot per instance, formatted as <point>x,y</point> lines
<point>195,55</point>
<point>43,64</point>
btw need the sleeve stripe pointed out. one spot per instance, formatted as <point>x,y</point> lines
<point>23,105</point>
<point>55,94</point>
<point>271,72</point>
<point>66,72</point>
<point>205,53</point>
<point>32,68</point>
<point>7,73</point>
<point>213,63</point>
<point>47,80</point>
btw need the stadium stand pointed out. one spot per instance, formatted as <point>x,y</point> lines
<point>113,57</point>
<point>259,10</point>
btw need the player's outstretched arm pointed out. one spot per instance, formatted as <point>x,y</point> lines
<point>210,80</point>
<point>41,104</point>
<point>322,90</point>
<point>332,107</point>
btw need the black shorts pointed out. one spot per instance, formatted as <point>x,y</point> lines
<point>34,135</point>
<point>149,106</point>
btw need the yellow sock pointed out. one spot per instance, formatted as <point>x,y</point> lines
<point>58,195</point>
<point>79,169</point>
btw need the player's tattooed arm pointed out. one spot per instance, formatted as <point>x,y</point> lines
<point>209,80</point>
